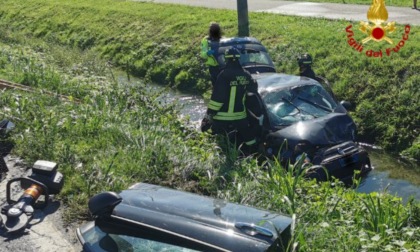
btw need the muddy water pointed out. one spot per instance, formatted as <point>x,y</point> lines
<point>390,173</point>
<point>398,176</point>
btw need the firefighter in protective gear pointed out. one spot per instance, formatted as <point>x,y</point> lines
<point>227,104</point>
<point>305,66</point>
<point>209,48</point>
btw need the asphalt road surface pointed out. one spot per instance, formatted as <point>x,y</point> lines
<point>401,15</point>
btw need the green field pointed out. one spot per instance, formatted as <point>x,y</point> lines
<point>118,134</point>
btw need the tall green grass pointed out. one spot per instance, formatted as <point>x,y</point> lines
<point>328,216</point>
<point>116,135</point>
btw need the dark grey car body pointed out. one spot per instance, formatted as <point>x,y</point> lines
<point>330,128</point>
<point>325,133</point>
<point>148,217</point>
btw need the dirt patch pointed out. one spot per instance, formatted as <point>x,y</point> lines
<point>45,232</point>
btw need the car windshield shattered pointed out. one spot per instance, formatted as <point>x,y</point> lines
<point>99,241</point>
<point>298,103</point>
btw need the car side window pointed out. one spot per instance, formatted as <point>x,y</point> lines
<point>248,57</point>
<point>120,235</point>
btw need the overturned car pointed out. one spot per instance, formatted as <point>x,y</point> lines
<point>297,117</point>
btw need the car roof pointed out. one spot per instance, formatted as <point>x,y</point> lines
<point>268,82</point>
<point>239,41</point>
<point>202,218</point>
<point>246,44</point>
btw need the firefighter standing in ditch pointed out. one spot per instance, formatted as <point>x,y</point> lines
<point>226,109</point>
<point>209,47</point>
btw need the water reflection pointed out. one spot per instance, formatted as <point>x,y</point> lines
<point>191,107</point>
<point>397,176</point>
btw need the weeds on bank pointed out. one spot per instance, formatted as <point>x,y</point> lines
<point>115,136</point>
<point>328,216</point>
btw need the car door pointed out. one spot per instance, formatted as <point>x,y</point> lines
<point>257,115</point>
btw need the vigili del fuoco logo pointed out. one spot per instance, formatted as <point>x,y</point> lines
<point>377,30</point>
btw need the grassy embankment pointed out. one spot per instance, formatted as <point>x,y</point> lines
<point>400,3</point>
<point>118,135</point>
<point>161,44</point>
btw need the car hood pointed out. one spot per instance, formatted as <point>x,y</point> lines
<point>331,129</point>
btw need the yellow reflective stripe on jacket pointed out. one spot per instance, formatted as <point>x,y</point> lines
<point>213,105</point>
<point>232,97</point>
<point>253,141</point>
<point>204,48</point>
<point>211,60</point>
<point>225,116</point>
<point>230,115</point>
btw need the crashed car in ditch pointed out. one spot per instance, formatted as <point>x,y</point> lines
<point>303,120</point>
<point>297,117</point>
<point>149,217</point>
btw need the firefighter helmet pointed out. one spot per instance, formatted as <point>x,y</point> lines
<point>305,60</point>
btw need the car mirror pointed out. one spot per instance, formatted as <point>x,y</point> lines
<point>347,105</point>
<point>103,204</point>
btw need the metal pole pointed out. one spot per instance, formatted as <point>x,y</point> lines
<point>243,22</point>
